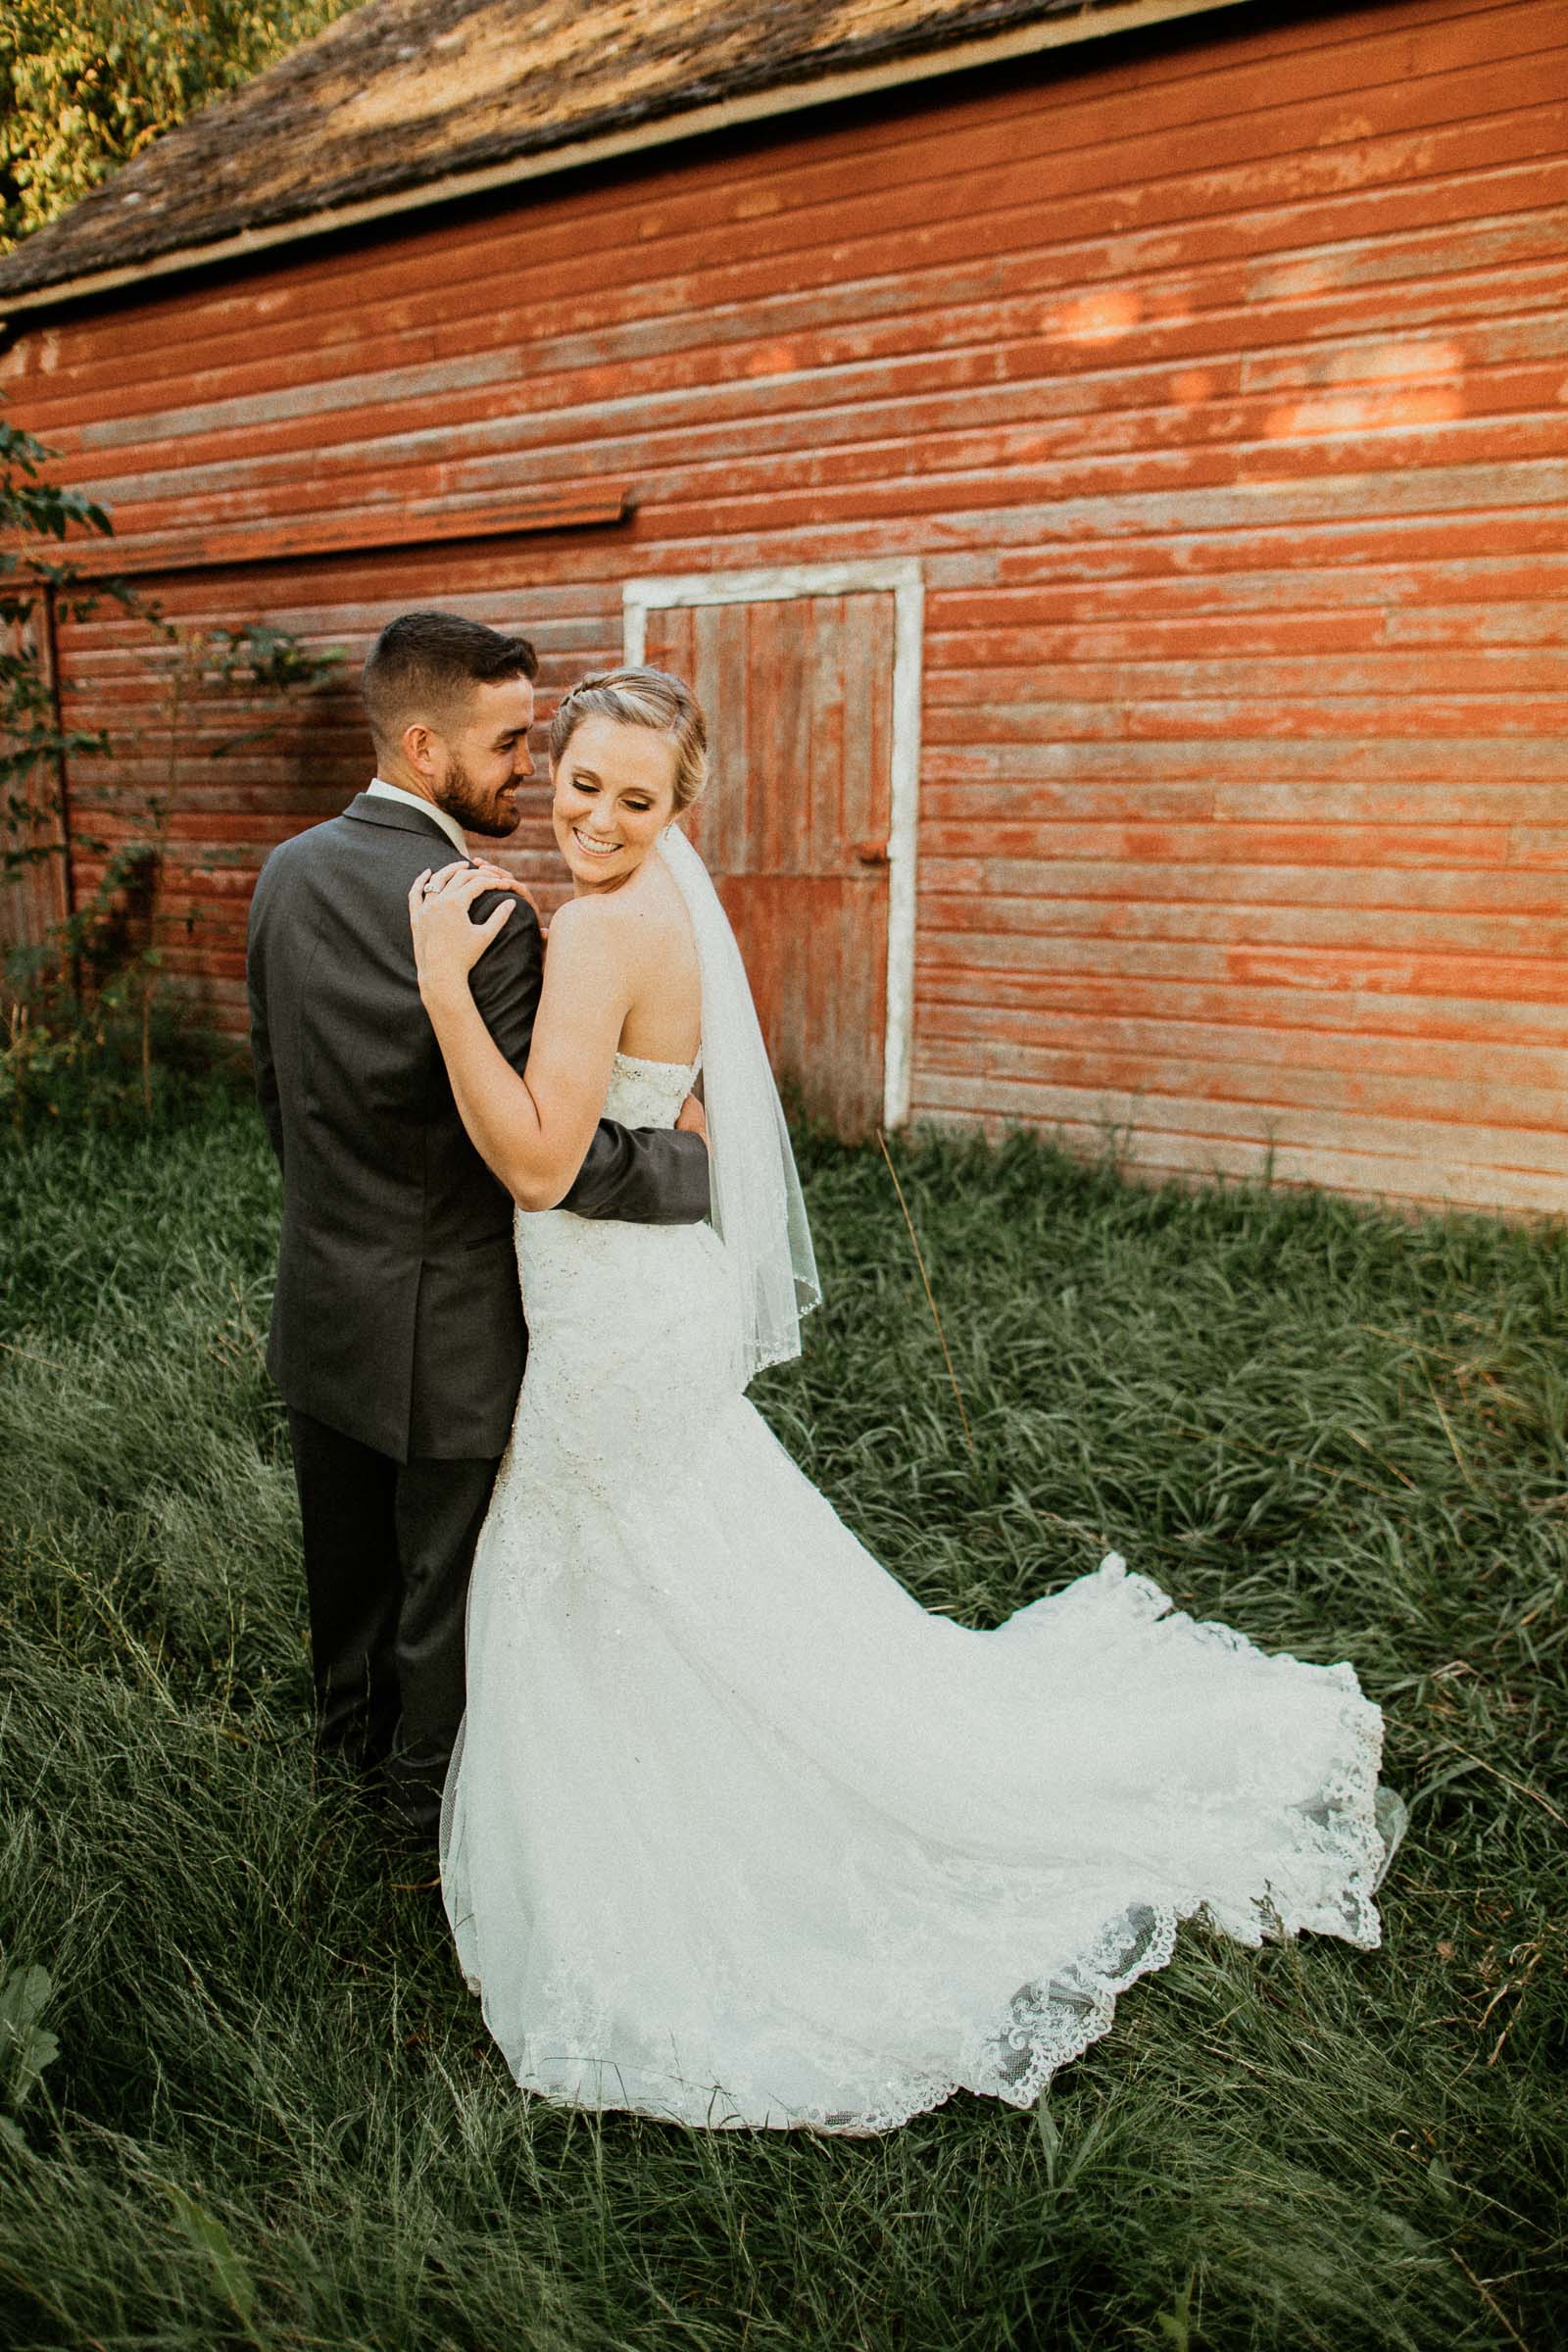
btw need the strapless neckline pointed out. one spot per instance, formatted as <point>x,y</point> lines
<point>647,1091</point>
<point>646,1062</point>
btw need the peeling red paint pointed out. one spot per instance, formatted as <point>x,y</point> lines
<point>1216,384</point>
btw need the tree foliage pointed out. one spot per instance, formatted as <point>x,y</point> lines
<point>87,84</point>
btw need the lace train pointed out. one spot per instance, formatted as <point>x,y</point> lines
<point>739,1835</point>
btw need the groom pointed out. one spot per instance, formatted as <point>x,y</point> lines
<point>397,1334</point>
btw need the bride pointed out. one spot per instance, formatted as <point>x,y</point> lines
<point>736,1834</point>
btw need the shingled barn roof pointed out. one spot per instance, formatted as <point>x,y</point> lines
<point>412,100</point>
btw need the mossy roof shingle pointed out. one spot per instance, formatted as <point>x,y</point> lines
<point>400,95</point>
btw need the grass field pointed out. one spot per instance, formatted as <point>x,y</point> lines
<point>273,2117</point>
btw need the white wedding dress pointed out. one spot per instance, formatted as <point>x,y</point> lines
<point>739,1834</point>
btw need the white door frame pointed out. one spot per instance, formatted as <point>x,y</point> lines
<point>899,576</point>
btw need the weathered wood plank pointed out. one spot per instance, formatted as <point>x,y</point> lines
<point>1441,1146</point>
<point>203,545</point>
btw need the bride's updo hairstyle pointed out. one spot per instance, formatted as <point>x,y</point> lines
<point>640,698</point>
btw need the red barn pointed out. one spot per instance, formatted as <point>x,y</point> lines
<point>1099,463</point>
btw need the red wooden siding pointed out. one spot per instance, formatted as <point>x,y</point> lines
<point>1217,383</point>
<point>32,896</point>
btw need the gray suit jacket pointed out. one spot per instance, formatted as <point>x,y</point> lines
<point>397,1317</point>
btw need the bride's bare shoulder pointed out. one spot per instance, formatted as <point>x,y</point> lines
<point>636,945</point>
<point>648,917</point>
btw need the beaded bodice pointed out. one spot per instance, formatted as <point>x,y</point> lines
<point>648,1093</point>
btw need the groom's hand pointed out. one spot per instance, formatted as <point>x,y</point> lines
<point>693,1119</point>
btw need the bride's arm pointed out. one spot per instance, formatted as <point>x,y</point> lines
<point>532,1131</point>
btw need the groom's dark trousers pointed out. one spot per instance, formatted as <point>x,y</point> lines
<point>388,1546</point>
<point>396,1336</point>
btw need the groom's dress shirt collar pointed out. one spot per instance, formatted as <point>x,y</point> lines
<point>380,790</point>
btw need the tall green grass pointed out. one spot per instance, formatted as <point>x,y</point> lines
<point>274,2118</point>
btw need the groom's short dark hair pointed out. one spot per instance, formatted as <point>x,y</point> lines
<point>424,664</point>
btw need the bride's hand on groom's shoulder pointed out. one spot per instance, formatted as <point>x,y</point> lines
<point>499,879</point>
<point>447,942</point>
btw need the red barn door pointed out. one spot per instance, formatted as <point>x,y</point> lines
<point>796,823</point>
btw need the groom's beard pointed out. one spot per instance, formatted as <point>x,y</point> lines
<point>494,814</point>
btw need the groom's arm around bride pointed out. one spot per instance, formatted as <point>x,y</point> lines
<point>397,1334</point>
